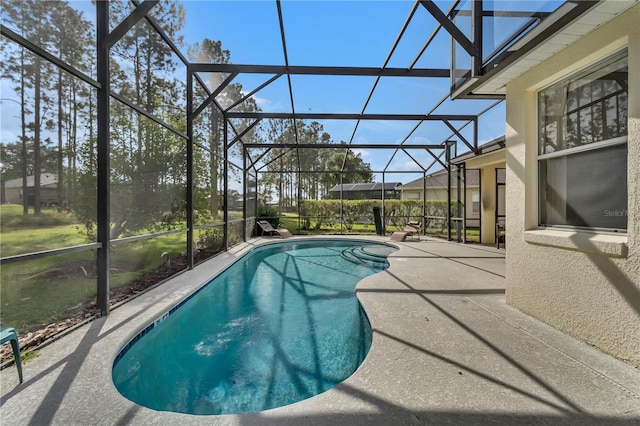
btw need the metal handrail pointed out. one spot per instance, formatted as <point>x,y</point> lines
<point>48,253</point>
<point>146,236</point>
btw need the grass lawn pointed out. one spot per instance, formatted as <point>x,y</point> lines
<point>42,291</point>
<point>21,241</point>
<point>27,234</point>
<point>34,293</point>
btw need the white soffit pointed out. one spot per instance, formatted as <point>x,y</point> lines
<point>592,19</point>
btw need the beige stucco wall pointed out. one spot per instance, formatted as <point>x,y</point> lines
<point>586,284</point>
<point>488,164</point>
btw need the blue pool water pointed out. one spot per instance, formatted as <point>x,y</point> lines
<point>280,325</point>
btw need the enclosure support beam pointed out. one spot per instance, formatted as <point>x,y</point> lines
<point>255,199</point>
<point>215,93</point>
<point>253,92</point>
<point>384,211</point>
<point>341,203</point>
<point>103,158</point>
<point>189,195</point>
<point>476,30</point>
<point>351,116</point>
<point>432,36</point>
<point>462,138</point>
<point>464,203</point>
<point>475,135</point>
<point>336,172</point>
<point>244,132</point>
<point>411,156</point>
<point>459,215</point>
<point>450,27</point>
<point>424,203</point>
<point>437,159</point>
<point>321,70</point>
<point>450,144</point>
<point>123,27</point>
<point>225,184</point>
<point>342,146</point>
<point>480,198</point>
<point>566,13</point>
<point>15,37</point>
<point>244,193</point>
<point>277,157</point>
<point>254,162</point>
<point>147,114</point>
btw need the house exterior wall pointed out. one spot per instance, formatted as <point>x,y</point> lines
<point>586,284</point>
<point>13,196</point>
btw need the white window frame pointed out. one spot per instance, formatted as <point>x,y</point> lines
<point>475,204</point>
<point>568,151</point>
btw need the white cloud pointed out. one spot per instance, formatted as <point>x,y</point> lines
<point>259,101</point>
<point>417,140</point>
<point>363,152</point>
<point>381,126</point>
<point>410,165</point>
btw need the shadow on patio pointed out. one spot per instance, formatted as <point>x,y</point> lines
<point>446,350</point>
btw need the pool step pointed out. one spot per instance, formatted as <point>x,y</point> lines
<point>361,255</point>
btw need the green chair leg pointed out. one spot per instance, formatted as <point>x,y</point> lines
<point>10,335</point>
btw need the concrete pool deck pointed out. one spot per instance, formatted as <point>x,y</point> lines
<point>446,350</point>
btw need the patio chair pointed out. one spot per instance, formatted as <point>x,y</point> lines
<point>9,335</point>
<point>412,228</point>
<point>266,227</point>
<point>500,233</point>
<point>399,236</point>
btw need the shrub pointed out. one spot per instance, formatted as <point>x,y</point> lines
<point>210,239</point>
<point>319,212</point>
<point>268,213</point>
<point>354,210</point>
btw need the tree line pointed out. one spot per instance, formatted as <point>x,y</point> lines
<point>55,127</point>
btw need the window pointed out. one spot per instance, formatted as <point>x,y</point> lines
<point>475,202</point>
<point>582,148</point>
<point>414,195</point>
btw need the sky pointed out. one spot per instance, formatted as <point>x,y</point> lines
<point>349,33</point>
<point>344,33</point>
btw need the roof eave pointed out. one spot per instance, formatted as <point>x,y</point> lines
<point>530,49</point>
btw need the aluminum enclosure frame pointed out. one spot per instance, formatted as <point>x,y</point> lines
<point>482,68</point>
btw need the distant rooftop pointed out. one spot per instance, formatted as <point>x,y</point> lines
<point>439,180</point>
<point>46,179</point>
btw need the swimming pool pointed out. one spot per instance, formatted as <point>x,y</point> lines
<point>280,325</point>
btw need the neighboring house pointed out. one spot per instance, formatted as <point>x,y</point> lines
<point>365,191</point>
<point>485,187</point>
<point>436,190</point>
<point>13,191</point>
<point>573,173</point>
